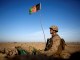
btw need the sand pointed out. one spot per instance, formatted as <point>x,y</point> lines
<point>70,47</point>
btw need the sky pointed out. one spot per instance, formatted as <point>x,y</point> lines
<point>17,25</point>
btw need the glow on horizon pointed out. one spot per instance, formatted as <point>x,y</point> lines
<point>68,35</point>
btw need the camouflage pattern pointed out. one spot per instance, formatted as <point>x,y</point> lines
<point>56,47</point>
<point>54,28</point>
<point>48,44</point>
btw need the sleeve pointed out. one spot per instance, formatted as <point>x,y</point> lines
<point>56,44</point>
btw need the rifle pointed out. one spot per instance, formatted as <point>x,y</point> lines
<point>48,44</point>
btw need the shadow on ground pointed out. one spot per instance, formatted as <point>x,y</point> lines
<point>74,56</point>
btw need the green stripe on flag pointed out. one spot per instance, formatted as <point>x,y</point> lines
<point>30,10</point>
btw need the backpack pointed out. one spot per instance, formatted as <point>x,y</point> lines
<point>63,43</point>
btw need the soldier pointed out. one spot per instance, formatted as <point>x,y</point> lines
<point>54,42</point>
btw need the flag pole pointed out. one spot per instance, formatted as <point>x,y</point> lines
<point>42,28</point>
<point>36,8</point>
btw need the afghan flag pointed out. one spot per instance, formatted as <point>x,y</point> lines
<point>35,8</point>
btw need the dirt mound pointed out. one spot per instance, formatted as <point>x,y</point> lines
<point>2,50</point>
<point>10,52</point>
<point>2,56</point>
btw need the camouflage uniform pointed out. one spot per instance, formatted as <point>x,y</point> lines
<point>56,46</point>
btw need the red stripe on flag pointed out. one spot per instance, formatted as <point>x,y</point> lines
<point>34,9</point>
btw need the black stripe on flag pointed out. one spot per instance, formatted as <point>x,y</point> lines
<point>38,6</point>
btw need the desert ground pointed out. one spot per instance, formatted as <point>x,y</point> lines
<point>70,48</point>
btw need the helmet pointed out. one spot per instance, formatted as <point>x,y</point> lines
<point>54,28</point>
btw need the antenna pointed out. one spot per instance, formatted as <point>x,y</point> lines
<point>42,30</point>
